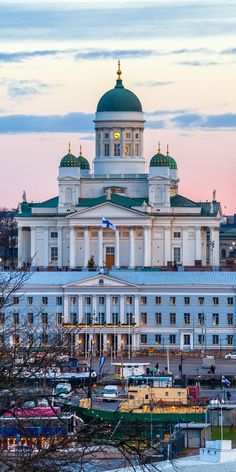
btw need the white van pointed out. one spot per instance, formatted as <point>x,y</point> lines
<point>110,393</point>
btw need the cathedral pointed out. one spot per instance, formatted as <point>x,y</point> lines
<point>149,224</point>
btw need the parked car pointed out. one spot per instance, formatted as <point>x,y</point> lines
<point>230,355</point>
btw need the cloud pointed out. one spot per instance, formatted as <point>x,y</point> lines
<point>158,124</point>
<point>166,112</point>
<point>195,120</point>
<point>21,56</point>
<point>94,54</point>
<point>24,88</point>
<point>154,83</point>
<point>83,21</point>
<point>72,123</point>
<point>199,63</point>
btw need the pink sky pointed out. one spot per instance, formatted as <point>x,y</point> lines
<point>185,80</point>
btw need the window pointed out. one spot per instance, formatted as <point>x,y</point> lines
<point>230,318</point>
<point>101,318</point>
<point>30,318</point>
<point>15,339</point>
<point>99,149</point>
<point>129,318</point>
<point>215,319</point>
<point>143,339</point>
<point>229,339</point>
<point>136,149</point>
<point>2,299</point>
<point>88,318</point>
<point>115,318</point>
<point>16,318</point>
<point>172,339</point>
<point>215,301</point>
<point>187,318</point>
<point>215,339</point>
<point>54,234</point>
<point>201,319</point>
<point>30,300</point>
<point>15,300</point>
<point>2,318</point>
<point>201,339</point>
<point>187,300</point>
<point>101,300</point>
<point>73,301</point>
<point>172,318</point>
<point>44,300</point>
<point>127,150</point>
<point>106,149</point>
<point>101,282</point>
<point>177,234</point>
<point>59,319</point>
<point>201,300</point>
<point>117,149</point>
<point>73,318</point>
<point>158,338</point>
<point>114,300</point>
<point>230,301</point>
<point>59,301</point>
<point>136,135</point>
<point>158,318</point>
<point>30,337</point>
<point>128,135</point>
<point>87,300</point>
<point>223,253</point>
<point>44,338</point>
<point>177,254</point>
<point>44,317</point>
<point>2,338</point>
<point>143,318</point>
<point>129,300</point>
<point>106,136</point>
<point>172,300</point>
<point>158,300</point>
<point>187,339</point>
<point>54,254</point>
<point>143,300</point>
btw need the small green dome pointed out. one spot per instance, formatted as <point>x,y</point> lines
<point>83,162</point>
<point>69,160</point>
<point>159,160</point>
<point>171,162</point>
<point>119,98</point>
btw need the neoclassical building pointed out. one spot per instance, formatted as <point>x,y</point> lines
<point>155,226</point>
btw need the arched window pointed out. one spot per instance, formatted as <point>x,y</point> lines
<point>68,195</point>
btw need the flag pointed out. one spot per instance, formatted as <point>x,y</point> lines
<point>101,363</point>
<point>107,224</point>
<point>225,381</point>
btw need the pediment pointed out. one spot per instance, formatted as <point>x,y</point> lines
<point>159,179</point>
<point>108,210</point>
<point>101,281</point>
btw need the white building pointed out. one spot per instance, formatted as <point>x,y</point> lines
<point>155,226</point>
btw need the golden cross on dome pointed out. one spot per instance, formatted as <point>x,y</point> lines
<point>167,150</point>
<point>119,70</point>
<point>80,150</point>
<point>69,149</point>
<point>159,148</point>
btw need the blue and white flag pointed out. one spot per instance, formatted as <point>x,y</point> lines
<point>107,224</point>
<point>101,363</point>
<point>225,381</point>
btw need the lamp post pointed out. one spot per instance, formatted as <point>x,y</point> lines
<point>122,366</point>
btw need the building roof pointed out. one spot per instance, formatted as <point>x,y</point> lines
<point>119,99</point>
<point>136,277</point>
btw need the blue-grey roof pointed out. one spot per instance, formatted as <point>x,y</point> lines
<point>138,277</point>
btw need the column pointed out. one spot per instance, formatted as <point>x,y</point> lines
<point>214,246</point>
<point>117,248</point>
<point>72,248</point>
<point>20,246</point>
<point>108,309</point>
<point>147,246</point>
<point>104,343</point>
<point>86,247</point>
<point>198,243</point>
<point>167,244</point>
<point>133,142</point>
<point>45,248</point>
<point>111,152</point>
<point>122,152</point>
<point>59,247</point>
<point>80,310</point>
<point>33,247</point>
<point>122,309</point>
<point>100,247</point>
<point>94,307</point>
<point>185,250</point>
<point>131,247</point>
<point>66,308</point>
<point>136,309</point>
<point>118,342</point>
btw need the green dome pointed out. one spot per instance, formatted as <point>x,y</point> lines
<point>119,99</point>
<point>159,160</point>
<point>83,162</point>
<point>69,161</point>
<point>171,162</point>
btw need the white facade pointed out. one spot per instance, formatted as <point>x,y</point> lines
<point>155,226</point>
